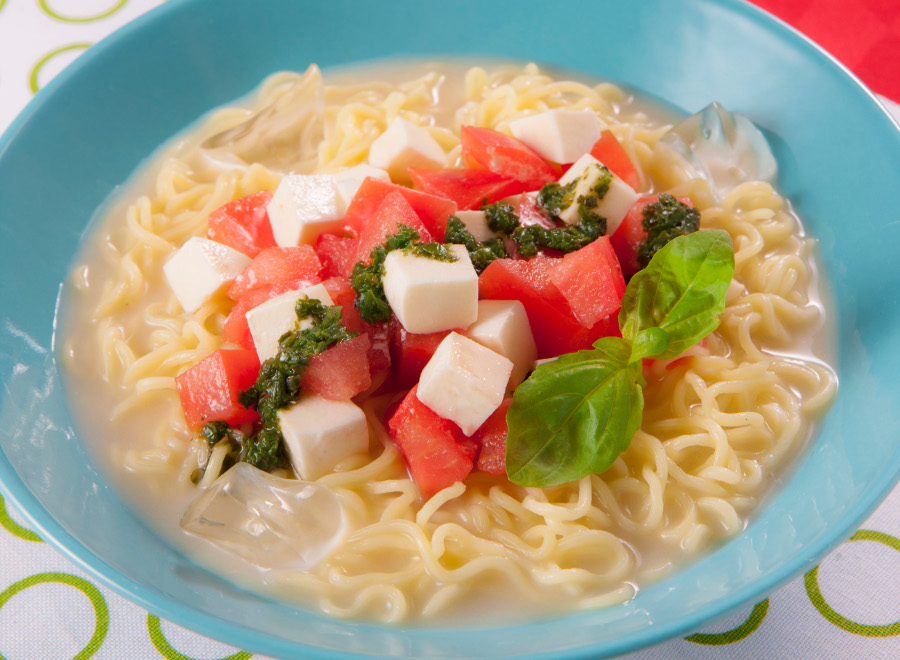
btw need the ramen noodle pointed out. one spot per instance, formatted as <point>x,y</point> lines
<point>719,425</point>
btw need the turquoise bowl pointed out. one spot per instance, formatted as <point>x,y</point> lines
<point>81,137</point>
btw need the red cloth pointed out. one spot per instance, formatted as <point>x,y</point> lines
<point>864,35</point>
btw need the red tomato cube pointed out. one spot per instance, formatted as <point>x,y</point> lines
<point>554,326</point>
<point>591,281</point>
<point>430,444</point>
<point>411,351</point>
<point>491,436</point>
<point>393,210</point>
<point>243,224</point>
<point>342,294</point>
<point>531,214</point>
<point>505,155</point>
<point>236,329</point>
<point>277,264</point>
<point>340,372</point>
<point>380,351</point>
<point>337,254</point>
<point>609,151</point>
<point>209,391</point>
<point>379,346</point>
<point>433,211</point>
<point>469,188</point>
<point>630,233</point>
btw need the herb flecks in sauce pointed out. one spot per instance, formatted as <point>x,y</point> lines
<point>481,253</point>
<point>569,238</point>
<point>664,220</point>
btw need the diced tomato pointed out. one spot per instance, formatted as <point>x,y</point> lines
<point>277,264</point>
<point>430,444</point>
<point>210,390</point>
<point>554,326</point>
<point>394,210</point>
<point>609,151</point>
<point>243,224</point>
<point>379,346</point>
<point>470,188</point>
<point>492,437</point>
<point>628,236</point>
<point>337,254</point>
<point>342,371</point>
<point>236,329</point>
<point>507,156</point>
<point>342,294</point>
<point>630,233</point>
<point>411,351</point>
<point>433,211</point>
<point>380,352</point>
<point>470,448</point>
<point>531,214</point>
<point>591,281</point>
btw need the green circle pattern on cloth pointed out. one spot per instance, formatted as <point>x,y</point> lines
<point>735,634</point>
<point>154,628</point>
<point>6,520</point>
<point>45,5</point>
<point>811,580</point>
<point>33,78</point>
<point>101,610</point>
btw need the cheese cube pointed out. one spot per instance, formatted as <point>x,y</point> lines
<point>559,135</point>
<point>277,315</point>
<point>429,295</point>
<point>476,224</point>
<point>304,206</point>
<point>349,180</point>
<point>587,171</point>
<point>319,433</point>
<point>464,382</point>
<point>503,327</point>
<point>201,267</point>
<point>404,145</point>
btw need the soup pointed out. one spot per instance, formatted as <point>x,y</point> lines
<point>719,424</point>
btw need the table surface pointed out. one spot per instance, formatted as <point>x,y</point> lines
<point>847,607</point>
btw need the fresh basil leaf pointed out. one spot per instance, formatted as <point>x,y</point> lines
<point>574,415</point>
<point>681,292</point>
<point>649,341</point>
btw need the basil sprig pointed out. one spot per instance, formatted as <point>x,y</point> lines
<point>574,415</point>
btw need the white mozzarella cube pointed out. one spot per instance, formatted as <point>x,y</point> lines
<point>578,168</point>
<point>464,382</point>
<point>277,315</point>
<point>476,224</point>
<point>503,327</point>
<point>559,135</point>
<point>201,267</point>
<point>349,180</point>
<point>304,206</point>
<point>587,171</point>
<point>319,433</point>
<point>429,295</point>
<point>404,145</point>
